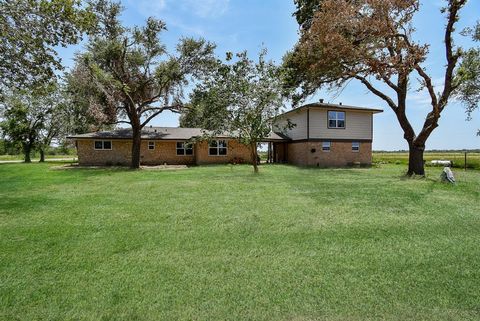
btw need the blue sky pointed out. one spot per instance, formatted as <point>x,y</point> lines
<point>237,25</point>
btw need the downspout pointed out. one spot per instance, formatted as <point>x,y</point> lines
<point>308,123</point>
<point>308,136</point>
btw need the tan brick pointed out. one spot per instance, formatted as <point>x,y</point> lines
<point>340,154</point>
<point>234,150</point>
<point>120,154</point>
<point>165,152</point>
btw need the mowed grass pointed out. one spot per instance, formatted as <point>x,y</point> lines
<point>220,243</point>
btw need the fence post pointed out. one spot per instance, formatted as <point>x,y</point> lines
<point>465,160</point>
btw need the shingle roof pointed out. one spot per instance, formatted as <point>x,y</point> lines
<point>164,133</point>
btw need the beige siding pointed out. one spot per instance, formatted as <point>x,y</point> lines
<point>299,131</point>
<point>358,125</point>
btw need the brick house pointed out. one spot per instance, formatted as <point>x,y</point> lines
<point>324,135</point>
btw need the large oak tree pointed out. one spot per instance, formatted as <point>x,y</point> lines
<point>372,41</point>
<point>133,75</point>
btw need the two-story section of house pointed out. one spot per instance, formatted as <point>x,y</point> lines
<point>326,135</point>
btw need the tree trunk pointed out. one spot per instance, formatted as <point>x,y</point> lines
<point>42,156</point>
<point>253,147</point>
<point>416,165</point>
<point>27,149</point>
<point>136,143</point>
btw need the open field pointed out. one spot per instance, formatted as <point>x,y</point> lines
<point>458,158</point>
<point>36,157</point>
<point>219,243</point>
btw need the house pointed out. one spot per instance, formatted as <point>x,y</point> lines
<point>326,135</point>
<point>323,135</point>
<point>162,145</point>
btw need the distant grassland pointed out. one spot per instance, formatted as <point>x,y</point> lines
<point>458,158</point>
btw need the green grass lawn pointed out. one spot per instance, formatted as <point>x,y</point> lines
<point>219,243</point>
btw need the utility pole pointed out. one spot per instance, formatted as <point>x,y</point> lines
<point>465,160</point>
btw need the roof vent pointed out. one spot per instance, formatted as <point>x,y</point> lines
<point>340,103</point>
<point>155,130</point>
<point>321,101</point>
<point>150,126</point>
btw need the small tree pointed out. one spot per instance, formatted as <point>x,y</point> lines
<point>34,119</point>
<point>242,98</point>
<point>369,41</point>
<point>136,78</point>
<point>19,125</point>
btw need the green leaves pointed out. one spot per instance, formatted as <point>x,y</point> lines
<point>467,78</point>
<point>241,97</point>
<point>30,31</point>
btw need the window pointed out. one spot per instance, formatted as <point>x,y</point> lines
<point>184,149</point>
<point>151,145</point>
<point>355,146</point>
<point>103,144</point>
<point>217,148</point>
<point>326,146</point>
<point>336,119</point>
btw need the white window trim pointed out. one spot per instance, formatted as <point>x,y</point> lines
<point>184,149</point>
<point>154,145</point>
<point>336,119</point>
<point>358,148</point>
<point>103,144</point>
<point>218,148</point>
<point>329,146</point>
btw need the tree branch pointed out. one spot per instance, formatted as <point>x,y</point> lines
<point>377,92</point>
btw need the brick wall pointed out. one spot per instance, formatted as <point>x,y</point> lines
<point>164,152</point>
<point>234,150</point>
<point>120,154</point>
<point>340,154</point>
<point>297,153</point>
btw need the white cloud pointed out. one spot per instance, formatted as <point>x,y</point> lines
<point>200,8</point>
<point>206,8</point>
<point>148,7</point>
<point>422,98</point>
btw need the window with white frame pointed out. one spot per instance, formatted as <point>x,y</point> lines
<point>336,119</point>
<point>355,146</point>
<point>103,144</point>
<point>217,148</point>
<point>151,145</point>
<point>184,149</point>
<point>326,146</point>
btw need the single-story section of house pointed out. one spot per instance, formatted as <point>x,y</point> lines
<point>322,135</point>
<point>163,145</point>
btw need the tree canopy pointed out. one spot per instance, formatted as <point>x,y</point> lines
<point>469,76</point>
<point>30,31</point>
<point>34,119</point>
<point>241,97</point>
<point>134,76</point>
<point>372,41</point>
